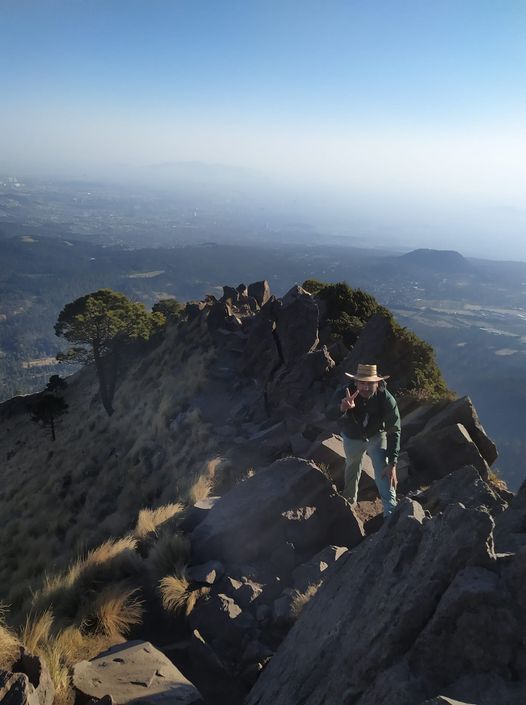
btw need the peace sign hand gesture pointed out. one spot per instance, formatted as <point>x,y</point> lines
<point>347,403</point>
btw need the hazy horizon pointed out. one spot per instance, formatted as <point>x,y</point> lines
<point>406,119</point>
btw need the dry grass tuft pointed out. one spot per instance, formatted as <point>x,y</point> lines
<point>37,630</point>
<point>113,561</point>
<point>150,520</point>
<point>9,643</point>
<point>116,609</point>
<point>169,554</point>
<point>202,486</point>
<point>300,599</point>
<point>176,595</point>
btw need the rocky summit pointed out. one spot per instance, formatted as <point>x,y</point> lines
<point>194,546</point>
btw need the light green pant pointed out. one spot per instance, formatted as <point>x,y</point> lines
<point>376,449</point>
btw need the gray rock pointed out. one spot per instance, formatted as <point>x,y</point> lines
<point>255,651</point>
<point>132,672</point>
<point>15,689</point>
<point>38,673</point>
<point>230,295</point>
<point>261,356</point>
<point>243,591</point>
<point>368,347</point>
<point>329,452</point>
<point>263,612</point>
<point>193,309</point>
<point>463,485</point>
<point>380,597</point>
<point>473,630</point>
<point>313,570</point>
<point>296,324</point>
<point>487,689</point>
<point>205,573</point>
<point>260,291</point>
<point>415,421</point>
<point>195,514</point>
<point>300,445</point>
<point>216,683</point>
<point>282,608</point>
<point>248,523</point>
<point>437,453</point>
<point>271,433</point>
<point>221,622</point>
<point>461,411</point>
<point>294,385</point>
<point>219,316</point>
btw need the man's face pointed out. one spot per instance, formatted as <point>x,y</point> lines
<point>366,389</point>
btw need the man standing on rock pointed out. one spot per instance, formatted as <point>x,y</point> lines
<point>370,423</point>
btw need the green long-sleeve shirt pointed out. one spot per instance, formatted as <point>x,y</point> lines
<point>369,417</point>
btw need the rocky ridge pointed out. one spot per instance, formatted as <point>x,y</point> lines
<point>310,600</point>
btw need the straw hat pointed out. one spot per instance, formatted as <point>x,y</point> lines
<point>367,373</point>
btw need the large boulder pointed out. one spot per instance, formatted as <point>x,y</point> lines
<point>368,347</point>
<point>15,689</point>
<point>315,570</point>
<point>222,622</point>
<point>296,324</point>
<point>461,411</point>
<point>295,387</point>
<point>256,516</point>
<point>260,291</point>
<point>415,420</point>
<point>329,453</point>
<point>350,644</point>
<point>436,453</point>
<point>261,357</point>
<point>464,485</point>
<point>35,668</point>
<point>134,672</point>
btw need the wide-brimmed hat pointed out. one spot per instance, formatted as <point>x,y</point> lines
<point>367,373</point>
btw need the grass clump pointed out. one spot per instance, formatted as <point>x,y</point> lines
<point>169,554</point>
<point>300,599</point>
<point>115,610</point>
<point>149,520</point>
<point>9,643</point>
<point>68,593</point>
<point>177,596</point>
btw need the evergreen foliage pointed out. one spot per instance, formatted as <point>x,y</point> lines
<point>101,324</point>
<point>171,309</point>
<point>409,360</point>
<point>49,405</point>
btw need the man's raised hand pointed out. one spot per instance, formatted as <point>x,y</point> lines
<point>347,403</point>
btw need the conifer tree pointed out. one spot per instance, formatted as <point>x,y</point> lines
<point>100,324</point>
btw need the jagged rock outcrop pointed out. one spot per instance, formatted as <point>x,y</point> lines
<point>134,672</point>
<point>461,411</point>
<point>445,450</point>
<point>464,485</point>
<point>369,345</point>
<point>28,683</point>
<point>283,500</point>
<point>406,616</point>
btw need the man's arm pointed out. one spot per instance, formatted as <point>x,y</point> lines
<point>393,428</point>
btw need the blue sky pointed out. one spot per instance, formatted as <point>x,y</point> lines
<point>400,99</point>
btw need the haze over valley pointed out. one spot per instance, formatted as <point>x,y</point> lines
<point>60,240</point>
